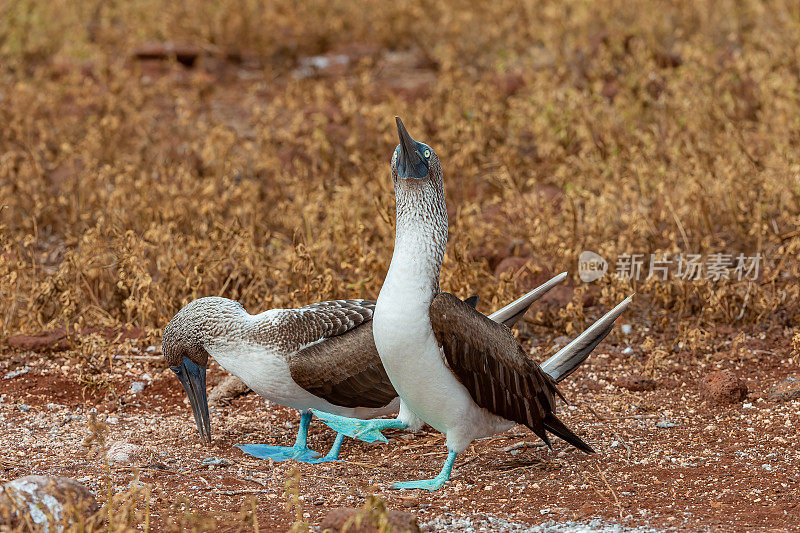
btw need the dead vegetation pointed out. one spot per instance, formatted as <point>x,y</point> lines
<point>615,128</point>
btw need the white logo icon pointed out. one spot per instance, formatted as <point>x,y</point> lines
<point>591,266</point>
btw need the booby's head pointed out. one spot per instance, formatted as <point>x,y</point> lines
<point>413,159</point>
<point>184,349</point>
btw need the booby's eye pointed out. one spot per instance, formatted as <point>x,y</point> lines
<point>427,154</point>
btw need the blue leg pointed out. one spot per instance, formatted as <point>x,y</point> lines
<point>298,452</point>
<point>333,454</point>
<point>366,430</point>
<point>431,484</point>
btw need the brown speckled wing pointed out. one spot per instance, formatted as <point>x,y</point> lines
<point>500,377</point>
<point>339,361</point>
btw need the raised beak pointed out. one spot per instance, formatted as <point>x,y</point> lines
<point>193,378</point>
<point>410,164</point>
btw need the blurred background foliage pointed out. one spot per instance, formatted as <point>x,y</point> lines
<point>155,152</point>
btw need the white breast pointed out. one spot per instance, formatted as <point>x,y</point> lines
<point>416,366</point>
<point>264,371</point>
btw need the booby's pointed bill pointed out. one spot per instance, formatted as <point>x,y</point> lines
<point>570,357</point>
<point>193,378</point>
<point>510,314</point>
<point>410,163</point>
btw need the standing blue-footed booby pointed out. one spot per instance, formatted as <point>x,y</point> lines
<point>455,369</point>
<point>321,356</point>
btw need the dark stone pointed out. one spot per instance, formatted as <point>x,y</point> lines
<point>228,389</point>
<point>51,341</point>
<point>344,519</point>
<point>786,390</point>
<point>723,387</point>
<point>636,384</point>
<point>185,54</point>
<point>526,273</point>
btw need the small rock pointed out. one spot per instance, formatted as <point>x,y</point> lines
<point>18,372</point>
<point>561,340</point>
<point>125,453</point>
<point>24,407</point>
<point>184,53</point>
<point>51,341</point>
<point>343,519</point>
<point>626,329</point>
<point>137,387</point>
<point>217,461</point>
<point>788,389</point>
<point>627,350</point>
<point>46,501</point>
<point>493,256</point>
<point>666,424</point>
<point>668,59</point>
<point>524,271</point>
<point>409,502</point>
<point>559,296</point>
<point>636,383</point>
<point>228,389</point>
<point>723,387</point>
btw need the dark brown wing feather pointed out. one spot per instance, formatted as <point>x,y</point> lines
<point>343,365</point>
<point>496,371</point>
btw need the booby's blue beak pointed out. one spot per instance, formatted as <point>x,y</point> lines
<point>193,378</point>
<point>410,162</point>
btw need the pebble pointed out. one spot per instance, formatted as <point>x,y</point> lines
<point>561,340</point>
<point>666,424</point>
<point>24,407</point>
<point>18,372</point>
<point>786,390</point>
<point>626,329</point>
<point>217,461</point>
<point>137,387</point>
<point>121,452</point>
<point>336,519</point>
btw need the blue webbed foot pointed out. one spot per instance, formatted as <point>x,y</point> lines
<point>279,453</point>
<point>365,430</point>
<point>298,452</point>
<point>431,484</point>
<point>333,454</point>
<point>427,484</point>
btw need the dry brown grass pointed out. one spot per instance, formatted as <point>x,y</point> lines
<point>666,128</point>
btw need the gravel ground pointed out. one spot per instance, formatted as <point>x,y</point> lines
<point>666,459</point>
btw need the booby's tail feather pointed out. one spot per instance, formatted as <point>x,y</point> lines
<point>510,314</point>
<point>557,428</point>
<point>570,357</point>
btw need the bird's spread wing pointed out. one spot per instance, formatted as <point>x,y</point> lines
<point>500,377</point>
<point>338,360</point>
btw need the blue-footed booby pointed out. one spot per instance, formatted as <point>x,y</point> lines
<point>321,356</point>
<point>453,368</point>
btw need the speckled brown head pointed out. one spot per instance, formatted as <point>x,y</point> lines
<point>184,351</point>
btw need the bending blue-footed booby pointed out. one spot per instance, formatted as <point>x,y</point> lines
<point>321,356</point>
<point>460,372</point>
